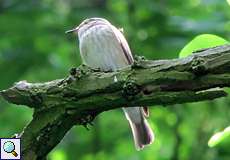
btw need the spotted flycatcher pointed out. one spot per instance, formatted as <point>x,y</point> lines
<point>103,46</point>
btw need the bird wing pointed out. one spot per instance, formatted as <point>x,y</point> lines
<point>126,50</point>
<point>124,44</point>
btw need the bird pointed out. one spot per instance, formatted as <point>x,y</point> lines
<point>104,47</point>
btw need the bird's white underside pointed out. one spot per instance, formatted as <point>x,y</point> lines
<point>100,48</point>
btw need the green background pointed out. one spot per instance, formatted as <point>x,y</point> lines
<point>34,47</point>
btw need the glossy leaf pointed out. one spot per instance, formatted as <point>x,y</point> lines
<point>201,42</point>
<point>220,138</point>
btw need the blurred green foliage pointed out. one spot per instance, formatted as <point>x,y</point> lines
<point>33,46</point>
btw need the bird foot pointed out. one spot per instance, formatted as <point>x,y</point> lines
<point>87,121</point>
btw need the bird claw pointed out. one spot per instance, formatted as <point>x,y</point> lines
<point>87,121</point>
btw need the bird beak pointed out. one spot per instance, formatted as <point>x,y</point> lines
<point>72,30</point>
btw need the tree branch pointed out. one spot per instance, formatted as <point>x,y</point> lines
<point>78,98</point>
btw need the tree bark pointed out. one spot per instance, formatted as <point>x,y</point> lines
<point>78,98</point>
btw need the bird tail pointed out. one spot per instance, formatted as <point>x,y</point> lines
<point>142,134</point>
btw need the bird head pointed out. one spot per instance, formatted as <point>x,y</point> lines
<point>86,24</point>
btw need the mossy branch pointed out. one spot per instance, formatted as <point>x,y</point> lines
<point>78,98</point>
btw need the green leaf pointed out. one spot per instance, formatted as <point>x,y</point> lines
<point>58,155</point>
<point>228,2</point>
<point>220,138</point>
<point>201,42</point>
